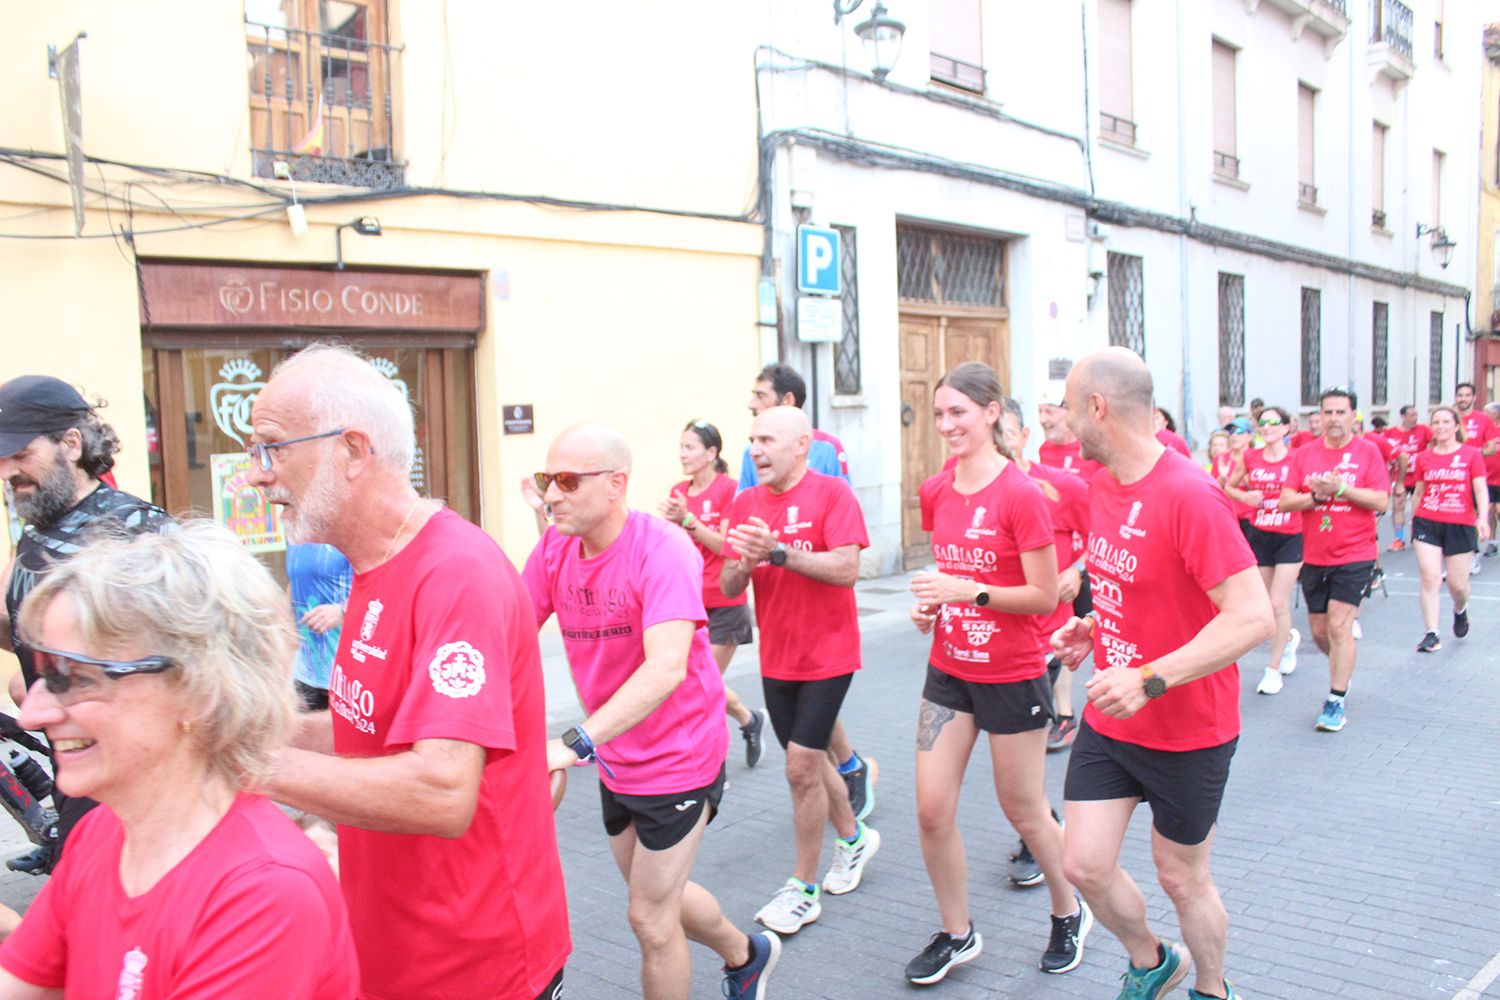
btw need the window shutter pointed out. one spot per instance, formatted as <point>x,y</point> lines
<point>1114,59</point>
<point>1377,170</point>
<point>955,30</point>
<point>1224,99</point>
<point>1305,103</point>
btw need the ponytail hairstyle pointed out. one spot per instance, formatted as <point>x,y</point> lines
<point>709,436</point>
<point>980,383</point>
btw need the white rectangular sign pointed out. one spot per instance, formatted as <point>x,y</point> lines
<point>820,320</point>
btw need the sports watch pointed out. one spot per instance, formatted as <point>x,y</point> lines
<point>1155,685</point>
<point>983,597</point>
<point>578,741</point>
<point>778,555</point>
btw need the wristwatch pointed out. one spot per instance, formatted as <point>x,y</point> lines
<point>1155,685</point>
<point>578,741</point>
<point>983,597</point>
<point>778,555</point>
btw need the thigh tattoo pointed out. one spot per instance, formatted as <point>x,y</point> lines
<point>931,723</point>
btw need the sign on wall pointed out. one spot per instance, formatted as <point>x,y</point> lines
<point>818,261</point>
<point>242,507</point>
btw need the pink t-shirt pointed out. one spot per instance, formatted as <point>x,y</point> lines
<point>1174,441</point>
<point>1156,548</point>
<point>252,911</point>
<point>1224,468</point>
<point>809,630</point>
<point>1069,457</point>
<point>1480,430</point>
<point>709,508</point>
<point>980,537</point>
<point>439,642</point>
<point>650,574</point>
<point>1269,477</point>
<point>1410,443</point>
<point>1070,530</point>
<point>1337,533</point>
<point>1448,495</point>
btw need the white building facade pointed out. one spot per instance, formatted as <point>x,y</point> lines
<point>1233,188</point>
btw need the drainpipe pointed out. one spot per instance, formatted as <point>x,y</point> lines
<point>1349,51</point>
<point>1184,208</point>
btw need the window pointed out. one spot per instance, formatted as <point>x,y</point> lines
<point>1435,359</point>
<point>1438,159</point>
<point>1127,302</point>
<point>1437,30</point>
<point>1377,177</point>
<point>1380,354</point>
<point>1226,162</point>
<point>320,91</point>
<point>846,380</point>
<point>1312,346</point>
<point>949,268</point>
<point>1307,191</point>
<point>1231,339</point>
<point>956,57</point>
<point>1116,103</point>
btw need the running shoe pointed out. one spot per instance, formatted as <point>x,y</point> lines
<point>791,909</point>
<point>1062,734</point>
<point>751,732</point>
<point>1153,984</point>
<point>849,861</point>
<point>1331,719</point>
<point>1430,643</point>
<point>861,782</point>
<point>1491,549</point>
<point>1356,631</point>
<point>942,953</point>
<point>1461,623</point>
<point>1229,993</point>
<point>1396,546</point>
<point>748,982</point>
<point>1289,655</point>
<point>1065,948</point>
<point>1024,871</point>
<point>1270,683</point>
<point>1477,566</point>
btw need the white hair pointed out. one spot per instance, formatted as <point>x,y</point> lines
<point>351,393</point>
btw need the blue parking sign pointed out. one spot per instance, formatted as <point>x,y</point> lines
<point>818,261</point>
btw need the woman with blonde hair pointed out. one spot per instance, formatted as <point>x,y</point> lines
<point>165,688</point>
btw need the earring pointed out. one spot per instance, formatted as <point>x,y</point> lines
<point>187,728</point>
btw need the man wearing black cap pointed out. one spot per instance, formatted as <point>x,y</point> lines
<point>53,451</point>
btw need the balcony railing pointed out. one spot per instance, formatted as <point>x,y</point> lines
<point>1121,130</point>
<point>1307,194</point>
<point>322,103</point>
<point>1226,164</point>
<point>957,73</point>
<point>1377,219</point>
<point>1342,6</point>
<point>1391,22</point>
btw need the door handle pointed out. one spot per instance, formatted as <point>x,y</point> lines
<point>908,415</point>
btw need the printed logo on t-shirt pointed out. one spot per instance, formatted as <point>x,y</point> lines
<point>793,525</point>
<point>132,975</point>
<point>974,532</point>
<point>361,647</point>
<point>1117,651</point>
<point>457,670</point>
<point>1115,560</point>
<point>351,700</point>
<point>1128,530</point>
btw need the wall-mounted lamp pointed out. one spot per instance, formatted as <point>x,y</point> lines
<point>881,34</point>
<point>1442,246</point>
<point>365,225</point>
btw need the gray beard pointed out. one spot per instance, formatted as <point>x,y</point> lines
<point>54,497</point>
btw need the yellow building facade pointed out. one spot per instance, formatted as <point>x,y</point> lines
<point>1487,278</point>
<point>563,229</point>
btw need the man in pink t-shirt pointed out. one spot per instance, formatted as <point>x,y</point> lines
<point>1481,432</point>
<point>627,591</point>
<point>796,536</point>
<point>1492,480</point>
<point>1409,438</point>
<point>1340,482</point>
<point>1177,599</point>
<point>1060,448</point>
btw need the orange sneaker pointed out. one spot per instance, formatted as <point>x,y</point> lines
<point>1396,546</point>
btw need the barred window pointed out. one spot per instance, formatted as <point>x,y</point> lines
<point>1380,354</point>
<point>1231,339</point>
<point>846,381</point>
<point>1312,346</point>
<point>1127,302</point>
<point>1435,360</point>
<point>933,265</point>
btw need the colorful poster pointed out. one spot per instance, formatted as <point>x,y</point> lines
<point>243,508</point>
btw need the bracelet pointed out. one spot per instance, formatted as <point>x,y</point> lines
<point>687,521</point>
<point>1342,488</point>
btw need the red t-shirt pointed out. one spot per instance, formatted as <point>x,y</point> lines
<point>709,507</point>
<point>252,911</point>
<point>439,642</point>
<point>1224,468</point>
<point>981,537</point>
<point>1492,469</point>
<point>809,630</point>
<point>1156,547</point>
<point>1300,438</point>
<point>1410,443</point>
<point>1070,530</point>
<point>1069,457</point>
<point>1269,477</point>
<point>819,434</point>
<point>1173,441</point>
<point>1337,532</point>
<point>1448,495</point>
<point>1480,430</point>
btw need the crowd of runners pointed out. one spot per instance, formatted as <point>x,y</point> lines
<point>420,730</point>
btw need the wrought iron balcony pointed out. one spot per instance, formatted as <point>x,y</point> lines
<point>1117,129</point>
<point>1377,219</point>
<point>1390,39</point>
<point>957,73</point>
<point>1226,164</point>
<point>1307,194</point>
<point>1328,19</point>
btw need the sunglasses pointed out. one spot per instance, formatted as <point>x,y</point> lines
<point>568,482</point>
<point>1270,421</point>
<point>260,451</point>
<point>73,677</point>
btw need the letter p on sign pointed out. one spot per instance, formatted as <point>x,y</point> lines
<point>818,261</point>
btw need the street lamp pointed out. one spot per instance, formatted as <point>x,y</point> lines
<point>365,225</point>
<point>881,34</point>
<point>1442,246</point>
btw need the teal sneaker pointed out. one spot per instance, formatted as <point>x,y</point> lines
<point>1229,993</point>
<point>1153,984</point>
<point>1331,719</point>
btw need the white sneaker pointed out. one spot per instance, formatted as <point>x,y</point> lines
<point>1356,631</point>
<point>1477,566</point>
<point>791,909</point>
<point>849,861</point>
<point>1270,683</point>
<point>1289,655</point>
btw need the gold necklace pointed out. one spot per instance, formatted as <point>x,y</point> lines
<point>397,535</point>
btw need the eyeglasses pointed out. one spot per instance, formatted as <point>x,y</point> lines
<point>73,677</point>
<point>1270,421</point>
<point>260,451</point>
<point>568,482</point>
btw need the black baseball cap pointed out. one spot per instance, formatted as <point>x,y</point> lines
<point>37,404</point>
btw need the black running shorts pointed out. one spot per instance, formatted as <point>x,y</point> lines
<point>730,626</point>
<point>803,712</point>
<point>1346,583</point>
<point>1494,492</point>
<point>998,709</point>
<point>1184,788</point>
<point>661,821</point>
<point>1273,548</point>
<point>553,990</point>
<point>1453,539</point>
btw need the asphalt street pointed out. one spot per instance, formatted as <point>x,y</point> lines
<point>1357,864</point>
